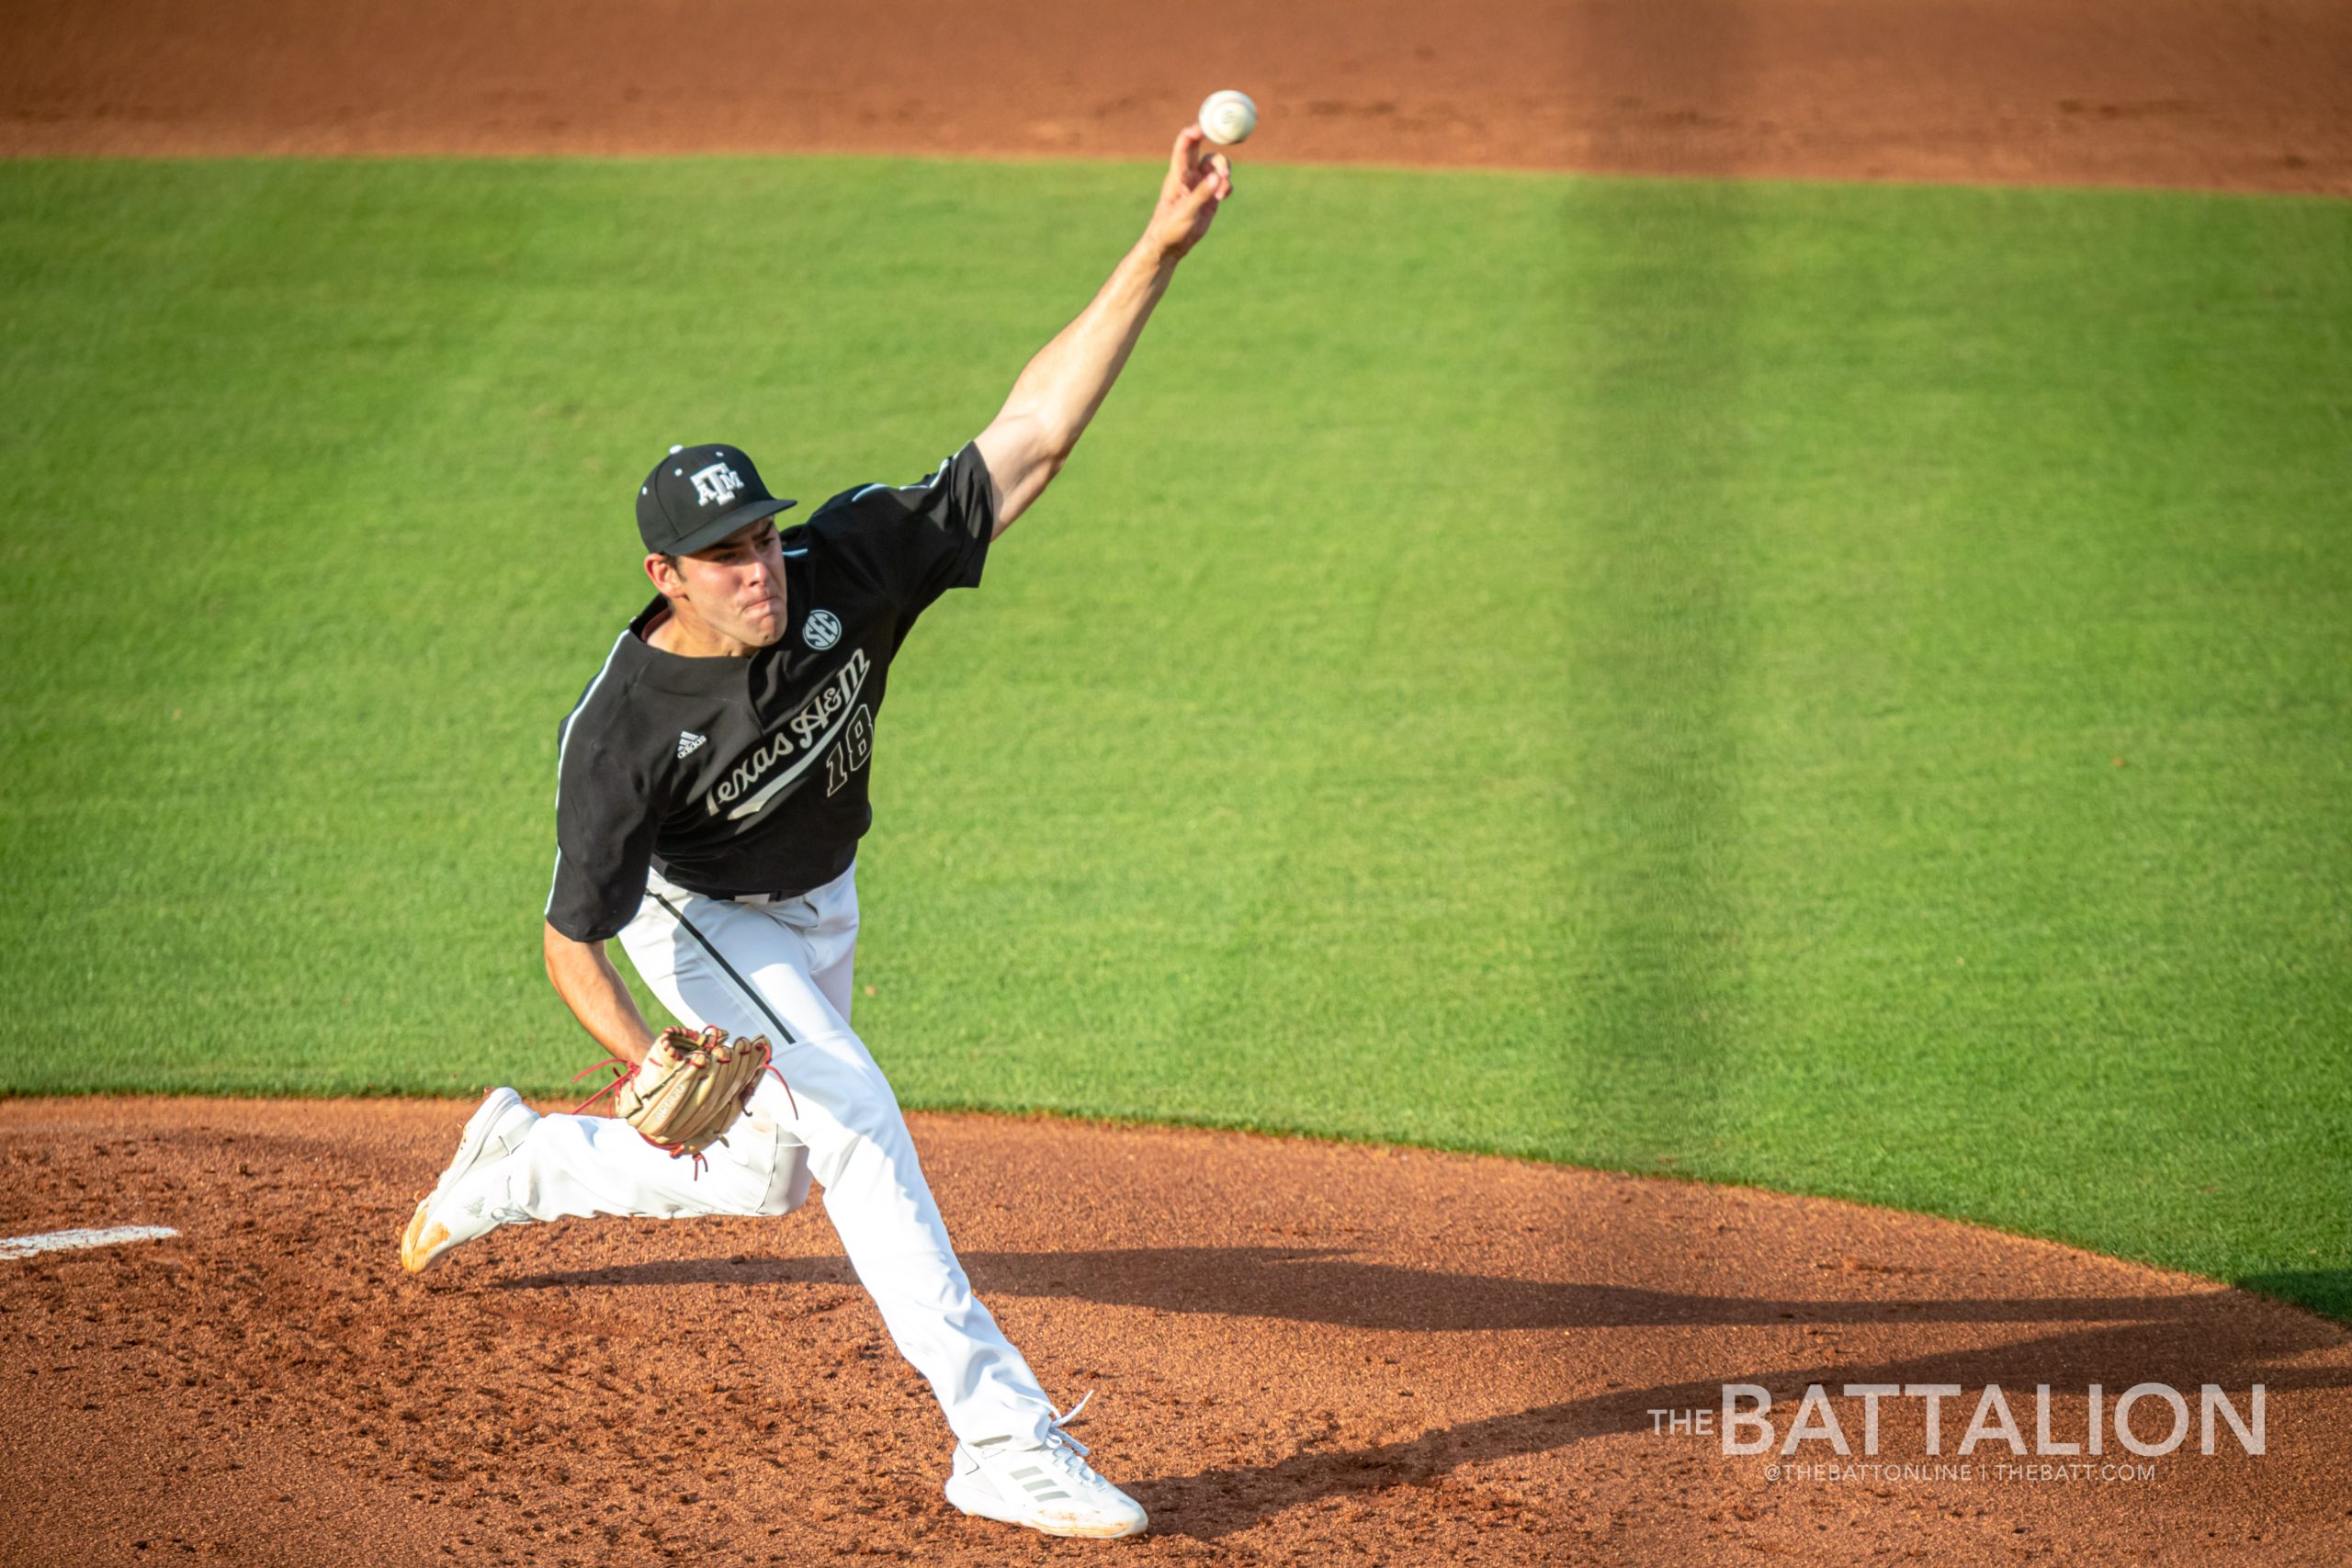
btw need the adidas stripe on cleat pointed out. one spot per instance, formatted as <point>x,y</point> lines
<point>1046,1486</point>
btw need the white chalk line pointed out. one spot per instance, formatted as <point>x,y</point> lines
<point>67,1241</point>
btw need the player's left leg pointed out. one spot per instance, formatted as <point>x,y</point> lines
<point>826,922</point>
<point>1013,1460</point>
<point>768,969</point>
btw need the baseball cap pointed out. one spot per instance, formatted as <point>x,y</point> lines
<point>698,496</point>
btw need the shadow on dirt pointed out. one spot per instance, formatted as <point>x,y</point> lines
<point>1324,1285</point>
<point>2181,1341</point>
<point>1214,1503</point>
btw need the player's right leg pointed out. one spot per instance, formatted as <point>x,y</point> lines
<point>515,1166</point>
<point>570,1166</point>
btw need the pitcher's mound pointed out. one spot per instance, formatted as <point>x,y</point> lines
<point>1301,1353</point>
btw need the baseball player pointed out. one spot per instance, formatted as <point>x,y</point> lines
<point>711,794</point>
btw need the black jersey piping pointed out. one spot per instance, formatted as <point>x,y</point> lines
<point>710,947</point>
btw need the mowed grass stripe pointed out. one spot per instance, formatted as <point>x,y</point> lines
<point>1610,670</point>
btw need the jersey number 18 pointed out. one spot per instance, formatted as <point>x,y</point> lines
<point>857,744</point>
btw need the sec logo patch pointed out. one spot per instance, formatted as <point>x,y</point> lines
<point>822,629</point>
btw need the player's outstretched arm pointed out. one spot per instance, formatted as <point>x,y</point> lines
<point>1051,404</point>
<point>584,977</point>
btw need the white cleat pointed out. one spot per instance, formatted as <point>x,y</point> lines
<point>448,1218</point>
<point>1046,1487</point>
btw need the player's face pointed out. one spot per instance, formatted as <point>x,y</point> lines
<point>737,585</point>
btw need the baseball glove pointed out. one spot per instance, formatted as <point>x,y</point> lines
<point>689,1088</point>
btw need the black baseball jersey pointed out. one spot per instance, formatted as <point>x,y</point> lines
<point>736,776</point>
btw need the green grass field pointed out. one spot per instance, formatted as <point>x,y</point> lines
<point>1843,689</point>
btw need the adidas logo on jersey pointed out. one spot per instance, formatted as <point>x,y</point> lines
<point>689,742</point>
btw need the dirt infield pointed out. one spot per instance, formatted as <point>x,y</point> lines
<point>2203,93</point>
<point>1301,1353</point>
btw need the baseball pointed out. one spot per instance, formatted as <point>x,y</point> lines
<point>1229,116</point>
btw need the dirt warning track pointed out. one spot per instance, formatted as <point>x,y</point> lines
<point>2201,93</point>
<point>1301,1352</point>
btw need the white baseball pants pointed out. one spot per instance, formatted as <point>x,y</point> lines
<point>784,970</point>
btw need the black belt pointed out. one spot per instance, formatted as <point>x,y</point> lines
<point>762,899</point>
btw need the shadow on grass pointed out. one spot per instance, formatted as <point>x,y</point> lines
<point>2327,1291</point>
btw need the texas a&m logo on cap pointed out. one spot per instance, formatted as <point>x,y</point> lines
<point>717,483</point>
<point>698,496</point>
